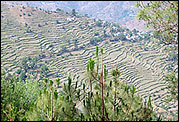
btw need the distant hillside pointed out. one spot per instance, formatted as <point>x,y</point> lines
<point>122,12</point>
<point>59,44</point>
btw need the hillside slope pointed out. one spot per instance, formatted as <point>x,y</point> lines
<point>122,12</point>
<point>64,43</point>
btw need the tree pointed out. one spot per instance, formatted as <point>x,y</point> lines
<point>18,71</point>
<point>17,97</point>
<point>73,12</point>
<point>162,16</point>
<point>96,33</point>
<point>58,22</point>
<point>43,70</point>
<point>76,44</point>
<point>100,100</point>
<point>135,31</point>
<point>93,42</point>
<point>26,25</point>
<point>39,25</point>
<point>122,37</point>
<point>58,9</point>
<point>98,23</point>
<point>173,86</point>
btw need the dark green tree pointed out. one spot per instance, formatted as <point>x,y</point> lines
<point>73,12</point>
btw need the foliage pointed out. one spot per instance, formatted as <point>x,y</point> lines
<point>95,40</point>
<point>109,100</point>
<point>17,97</point>
<point>28,64</point>
<point>135,31</point>
<point>44,70</point>
<point>96,33</point>
<point>162,16</point>
<point>76,43</point>
<point>173,86</point>
<point>118,101</point>
<point>98,23</point>
<point>73,12</point>
<point>39,25</point>
<point>58,22</point>
<point>122,37</point>
<point>58,9</point>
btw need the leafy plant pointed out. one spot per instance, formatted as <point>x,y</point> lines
<point>173,86</point>
<point>17,96</point>
<point>106,100</point>
<point>162,16</point>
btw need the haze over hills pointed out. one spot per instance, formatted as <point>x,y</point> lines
<point>121,12</point>
<point>60,44</point>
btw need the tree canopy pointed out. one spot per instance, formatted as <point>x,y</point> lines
<point>162,16</point>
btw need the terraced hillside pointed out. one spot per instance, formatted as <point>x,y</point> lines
<point>65,42</point>
<point>122,12</point>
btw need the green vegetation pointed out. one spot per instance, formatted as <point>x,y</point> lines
<point>17,96</point>
<point>63,50</point>
<point>42,102</point>
<point>73,12</point>
<point>173,86</point>
<point>162,16</point>
<point>58,22</point>
<point>98,23</point>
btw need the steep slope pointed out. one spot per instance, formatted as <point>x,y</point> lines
<point>27,31</point>
<point>122,12</point>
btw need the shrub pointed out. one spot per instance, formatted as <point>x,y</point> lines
<point>100,99</point>
<point>58,22</point>
<point>17,97</point>
<point>111,101</point>
<point>39,25</point>
<point>58,9</point>
<point>96,33</point>
<point>98,23</point>
<point>173,86</point>
<point>73,12</point>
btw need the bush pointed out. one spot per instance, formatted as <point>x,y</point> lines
<point>122,37</point>
<point>39,25</point>
<point>111,100</point>
<point>73,12</point>
<point>98,23</point>
<point>58,9</point>
<point>96,33</point>
<point>58,22</point>
<point>17,97</point>
<point>173,86</point>
<point>99,99</point>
